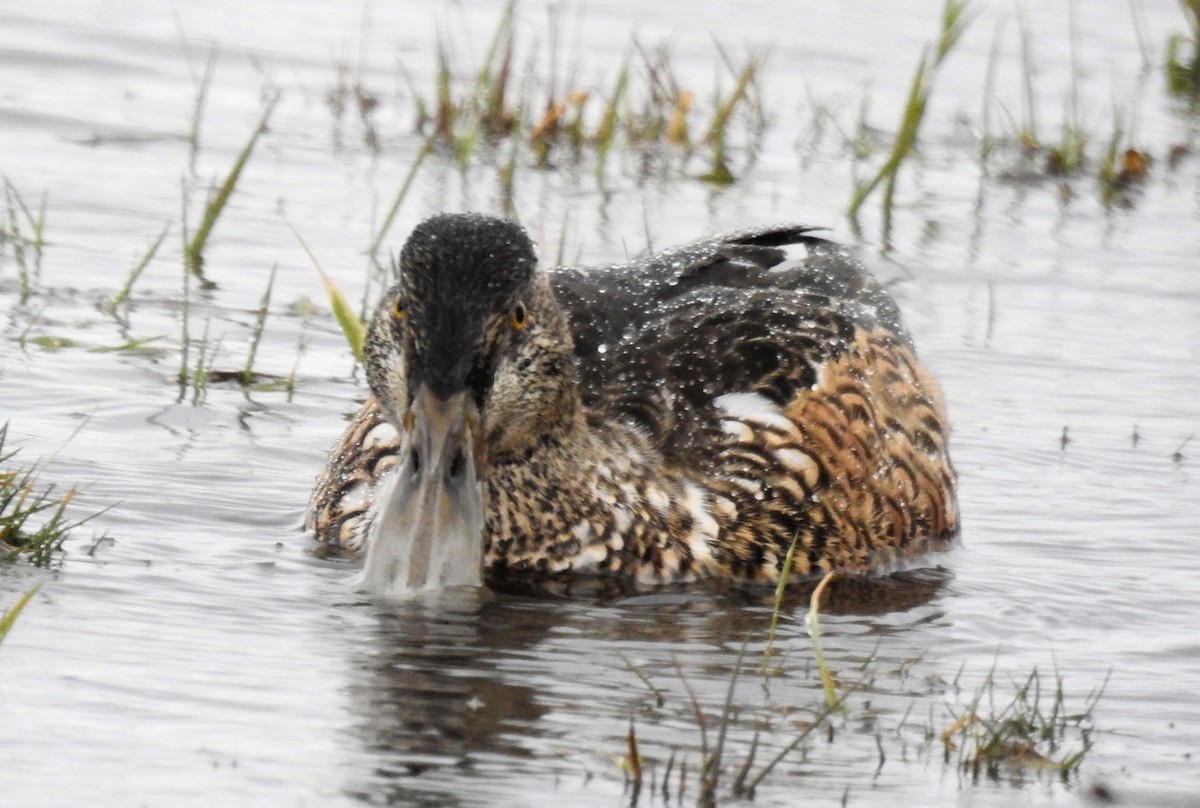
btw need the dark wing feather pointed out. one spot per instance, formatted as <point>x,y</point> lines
<point>605,303</point>
<point>659,339</point>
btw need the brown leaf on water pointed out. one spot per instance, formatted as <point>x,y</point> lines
<point>1134,164</point>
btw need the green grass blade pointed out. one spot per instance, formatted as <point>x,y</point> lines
<point>373,250</point>
<point>260,322</point>
<point>606,132</point>
<point>138,268</point>
<point>956,15</point>
<point>832,700</point>
<point>818,719</point>
<point>198,108</point>
<point>910,124</point>
<point>659,699</point>
<point>780,589</point>
<point>349,321</point>
<point>10,616</point>
<point>194,250</point>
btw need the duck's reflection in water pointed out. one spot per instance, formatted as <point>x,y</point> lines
<point>449,693</point>
<point>428,699</point>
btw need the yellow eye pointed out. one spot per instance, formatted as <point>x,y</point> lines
<point>398,309</point>
<point>519,317</point>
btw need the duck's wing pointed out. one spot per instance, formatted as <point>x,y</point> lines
<point>788,388</point>
<point>608,304</point>
<point>661,339</point>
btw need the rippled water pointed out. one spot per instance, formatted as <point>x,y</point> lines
<point>202,654</point>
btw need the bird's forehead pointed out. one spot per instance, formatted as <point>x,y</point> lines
<point>465,260</point>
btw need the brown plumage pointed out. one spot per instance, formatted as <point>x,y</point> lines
<point>686,416</point>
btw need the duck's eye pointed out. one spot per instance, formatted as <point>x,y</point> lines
<point>398,309</point>
<point>519,317</point>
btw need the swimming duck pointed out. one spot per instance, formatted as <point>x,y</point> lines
<point>690,415</point>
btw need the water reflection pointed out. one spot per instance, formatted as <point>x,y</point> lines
<point>852,594</point>
<point>428,697</point>
<point>451,694</point>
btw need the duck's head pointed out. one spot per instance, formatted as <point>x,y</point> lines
<point>471,357</point>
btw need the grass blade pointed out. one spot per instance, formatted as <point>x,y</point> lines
<point>10,616</point>
<point>780,589</point>
<point>955,17</point>
<point>373,250</point>
<point>659,699</point>
<point>138,268</point>
<point>193,254</point>
<point>832,700</point>
<point>712,766</point>
<point>349,321</point>
<point>820,717</point>
<point>260,322</point>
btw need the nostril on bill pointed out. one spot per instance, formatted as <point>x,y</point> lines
<point>458,466</point>
<point>414,462</point>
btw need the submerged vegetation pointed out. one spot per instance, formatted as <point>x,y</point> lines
<point>1120,167</point>
<point>1037,731</point>
<point>520,107</point>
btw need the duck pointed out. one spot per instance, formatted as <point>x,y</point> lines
<point>733,410</point>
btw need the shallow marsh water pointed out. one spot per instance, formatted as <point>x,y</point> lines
<point>202,654</point>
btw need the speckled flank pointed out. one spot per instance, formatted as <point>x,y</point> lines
<point>855,469</point>
<point>690,417</point>
<point>342,496</point>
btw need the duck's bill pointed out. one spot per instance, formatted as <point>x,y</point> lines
<point>427,531</point>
